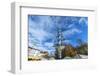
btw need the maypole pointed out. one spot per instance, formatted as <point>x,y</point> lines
<point>58,39</point>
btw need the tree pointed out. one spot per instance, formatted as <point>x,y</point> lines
<point>69,51</point>
<point>82,48</point>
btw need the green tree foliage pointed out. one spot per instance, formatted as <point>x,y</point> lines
<point>82,48</point>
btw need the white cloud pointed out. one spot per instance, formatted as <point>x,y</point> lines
<point>49,44</point>
<point>70,26</point>
<point>72,31</point>
<point>83,20</point>
<point>67,41</point>
<point>38,33</point>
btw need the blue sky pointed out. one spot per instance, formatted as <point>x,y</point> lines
<point>42,30</point>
